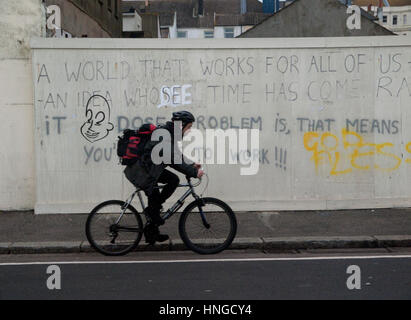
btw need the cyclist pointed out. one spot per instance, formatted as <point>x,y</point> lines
<point>145,174</point>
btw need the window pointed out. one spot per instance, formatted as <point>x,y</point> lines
<point>181,34</point>
<point>109,5</point>
<point>209,34</point>
<point>404,19</point>
<point>394,20</point>
<point>384,19</point>
<point>229,32</point>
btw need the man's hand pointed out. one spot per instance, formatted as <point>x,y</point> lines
<point>200,173</point>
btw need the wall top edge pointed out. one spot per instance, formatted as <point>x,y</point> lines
<point>237,43</point>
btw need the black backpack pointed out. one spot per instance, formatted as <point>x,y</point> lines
<point>130,145</point>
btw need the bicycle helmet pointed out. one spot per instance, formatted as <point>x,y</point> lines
<point>184,116</point>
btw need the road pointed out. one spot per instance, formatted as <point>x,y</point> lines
<point>235,275</point>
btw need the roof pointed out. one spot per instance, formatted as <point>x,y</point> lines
<point>248,19</point>
<point>311,18</point>
<point>225,12</point>
<point>393,3</point>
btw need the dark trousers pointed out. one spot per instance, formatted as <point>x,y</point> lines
<point>157,197</point>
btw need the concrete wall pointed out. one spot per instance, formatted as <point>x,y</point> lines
<point>332,114</point>
<point>19,21</point>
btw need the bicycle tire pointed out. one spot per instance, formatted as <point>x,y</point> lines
<point>122,249</point>
<point>207,246</point>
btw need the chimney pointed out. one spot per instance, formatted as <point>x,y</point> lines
<point>200,7</point>
<point>243,6</point>
<point>379,11</point>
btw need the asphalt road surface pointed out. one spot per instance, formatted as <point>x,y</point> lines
<point>236,275</point>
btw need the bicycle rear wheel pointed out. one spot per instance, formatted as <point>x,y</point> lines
<point>213,235</point>
<point>111,233</point>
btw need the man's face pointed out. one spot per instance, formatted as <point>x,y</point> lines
<point>187,128</point>
<point>97,125</point>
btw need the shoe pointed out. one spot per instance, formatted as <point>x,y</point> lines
<point>152,234</point>
<point>162,237</point>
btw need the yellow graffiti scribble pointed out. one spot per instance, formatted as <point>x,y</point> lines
<point>324,148</point>
<point>408,148</point>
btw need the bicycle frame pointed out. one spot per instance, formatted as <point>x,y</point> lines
<point>175,206</point>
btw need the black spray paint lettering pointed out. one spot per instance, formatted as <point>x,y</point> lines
<point>134,123</point>
<point>372,126</point>
<point>281,158</point>
<point>389,63</point>
<point>55,101</point>
<point>283,64</point>
<point>328,91</point>
<point>306,124</point>
<point>255,154</point>
<point>280,125</point>
<point>57,121</point>
<point>238,93</point>
<point>230,66</point>
<point>142,96</point>
<point>353,62</point>
<point>43,73</point>
<point>226,122</point>
<point>386,87</point>
<point>322,64</point>
<point>280,90</point>
<point>97,70</point>
<point>84,96</point>
<point>158,68</point>
<point>99,154</point>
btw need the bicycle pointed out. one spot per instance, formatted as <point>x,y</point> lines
<point>122,226</point>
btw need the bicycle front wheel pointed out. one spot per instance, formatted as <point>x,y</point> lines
<point>210,232</point>
<point>113,231</point>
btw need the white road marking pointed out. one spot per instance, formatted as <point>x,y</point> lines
<point>208,260</point>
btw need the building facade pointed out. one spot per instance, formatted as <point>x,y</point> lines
<point>193,19</point>
<point>395,17</point>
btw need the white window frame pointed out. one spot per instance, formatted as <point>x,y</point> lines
<point>210,32</point>
<point>228,32</point>
<point>182,32</point>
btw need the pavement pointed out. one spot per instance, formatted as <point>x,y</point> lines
<point>182,276</point>
<point>24,232</point>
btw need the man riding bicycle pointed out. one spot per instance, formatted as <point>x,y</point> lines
<point>145,174</point>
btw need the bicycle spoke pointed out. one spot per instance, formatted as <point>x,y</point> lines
<point>217,236</point>
<point>109,237</point>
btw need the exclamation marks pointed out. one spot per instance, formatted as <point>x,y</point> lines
<point>281,158</point>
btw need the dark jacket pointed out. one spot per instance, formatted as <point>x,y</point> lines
<point>144,173</point>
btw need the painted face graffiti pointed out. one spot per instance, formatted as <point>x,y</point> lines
<point>97,125</point>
